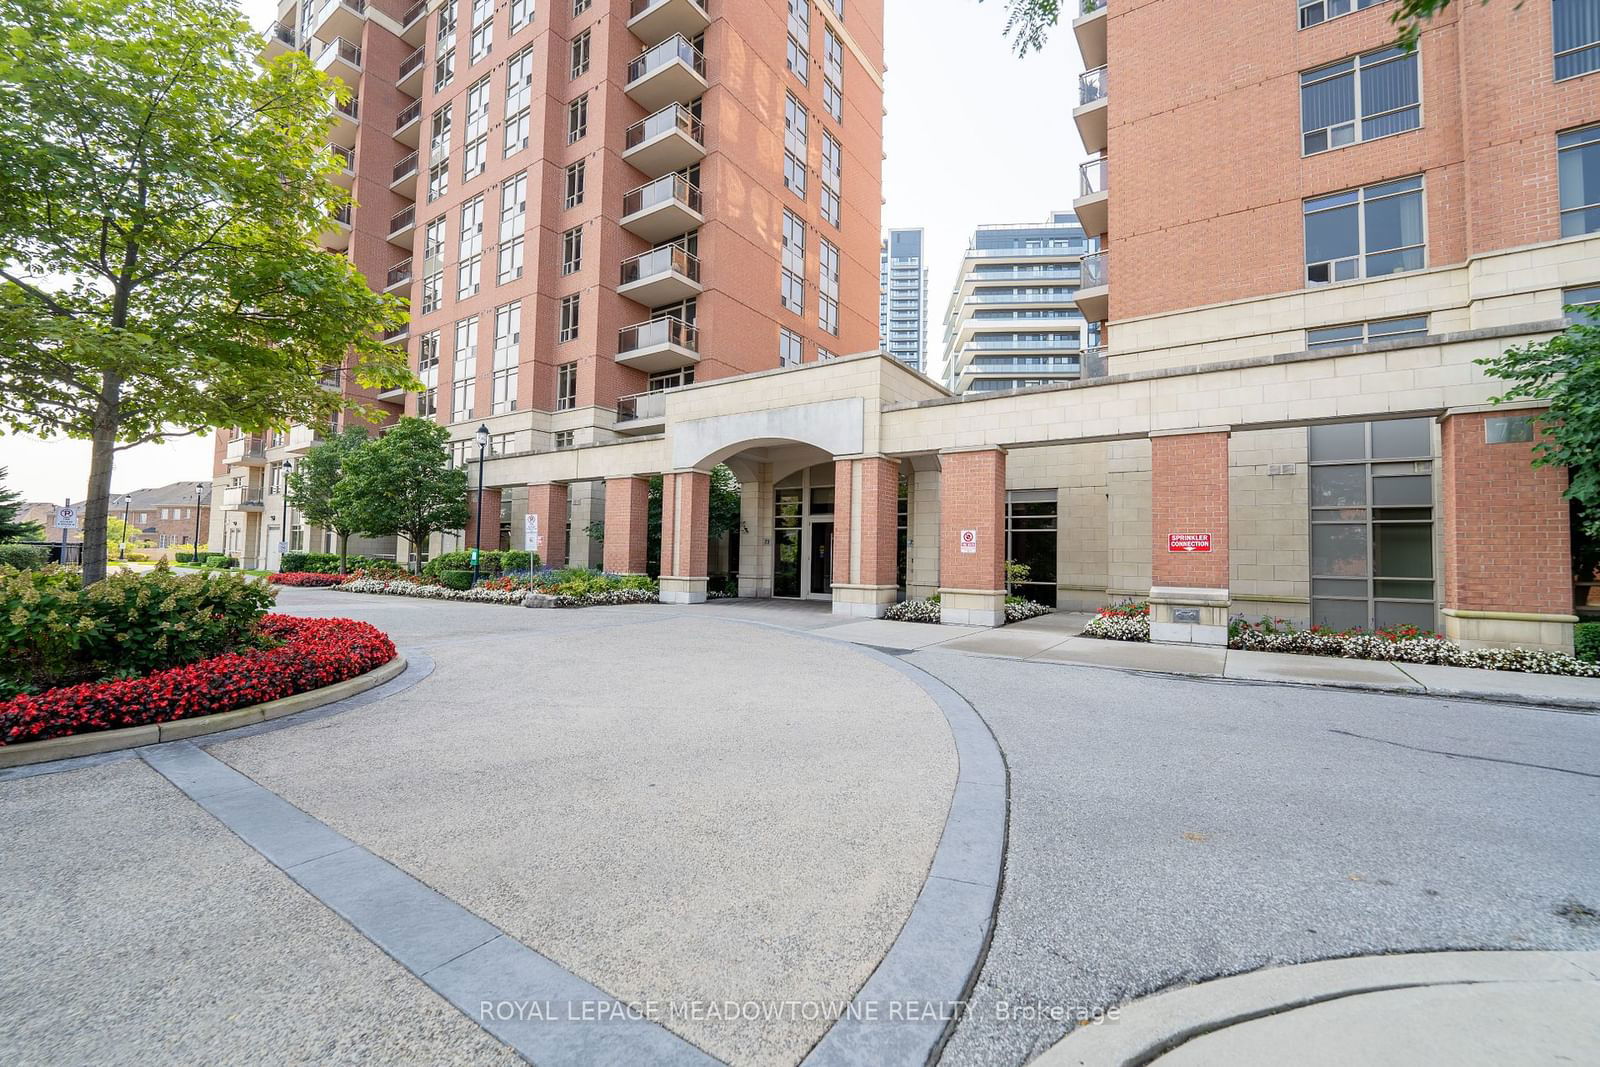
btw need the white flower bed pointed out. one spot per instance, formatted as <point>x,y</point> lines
<point>913,611</point>
<point>401,587</point>
<point>1434,650</point>
<point>1028,609</point>
<point>1119,627</point>
<point>606,599</point>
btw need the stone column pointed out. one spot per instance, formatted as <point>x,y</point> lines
<point>585,505</point>
<point>685,536</point>
<point>1189,537</point>
<point>922,554</point>
<point>627,525</point>
<point>866,498</point>
<point>972,536</point>
<point>549,502</point>
<point>755,545</point>
<point>1506,535</point>
<point>491,520</point>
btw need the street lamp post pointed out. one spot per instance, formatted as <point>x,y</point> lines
<point>283,532</point>
<point>199,491</point>
<point>477,526</point>
<point>122,553</point>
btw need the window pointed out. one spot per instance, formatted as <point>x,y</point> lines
<point>794,147</point>
<point>432,290</point>
<point>1585,303</point>
<point>521,14</point>
<point>793,292</point>
<point>472,227</point>
<point>793,288</point>
<point>1577,33</point>
<point>477,117</point>
<point>519,84</point>
<point>580,6</point>
<point>439,153</point>
<point>828,286</point>
<point>507,342</point>
<point>791,349</point>
<point>1578,165</point>
<point>513,219</point>
<point>444,60</point>
<point>580,54</point>
<point>566,387</point>
<point>433,235</point>
<point>1315,11</point>
<point>569,318</point>
<point>428,374</point>
<point>565,438</point>
<point>671,379</point>
<point>799,62</point>
<point>572,250</point>
<point>575,184</point>
<point>1365,233</point>
<point>823,355</point>
<point>464,370</point>
<point>482,28</point>
<point>833,74</point>
<point>474,158</point>
<point>1359,99</point>
<point>1031,541</point>
<point>832,177</point>
<point>578,119</point>
<point>1361,332</point>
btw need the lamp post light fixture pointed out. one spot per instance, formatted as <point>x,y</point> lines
<point>122,553</point>
<point>199,492</point>
<point>283,532</point>
<point>477,525</point>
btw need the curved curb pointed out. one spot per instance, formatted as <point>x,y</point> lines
<point>1145,1030</point>
<point>63,748</point>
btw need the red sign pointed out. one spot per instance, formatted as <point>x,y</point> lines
<point>1187,542</point>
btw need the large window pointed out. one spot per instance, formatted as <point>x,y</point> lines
<point>572,250</point>
<point>439,153</point>
<point>1315,11</point>
<point>469,271</point>
<point>566,387</point>
<point>832,179</point>
<point>578,119</point>
<point>1359,99</point>
<point>575,184</point>
<point>570,306</point>
<point>798,60</point>
<point>1031,541</point>
<point>1578,161</point>
<point>793,278</point>
<point>833,74</point>
<point>482,28</point>
<point>794,146</point>
<point>519,86</point>
<point>1365,233</point>
<point>1585,305</point>
<point>428,374</point>
<point>791,348</point>
<point>1577,33</point>
<point>513,219</point>
<point>507,346</point>
<point>828,287</point>
<point>464,370</point>
<point>1371,489</point>
<point>1357,333</point>
<point>580,54</point>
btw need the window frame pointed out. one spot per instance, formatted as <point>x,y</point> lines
<point>1355,67</point>
<point>1362,251</point>
<point>1590,139</point>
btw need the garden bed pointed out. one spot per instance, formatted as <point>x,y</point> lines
<point>927,610</point>
<point>568,588</point>
<point>305,579</point>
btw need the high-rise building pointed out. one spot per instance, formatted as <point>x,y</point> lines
<point>1013,320</point>
<point>591,202</point>
<point>903,298</point>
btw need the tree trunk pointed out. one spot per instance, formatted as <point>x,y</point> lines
<point>97,502</point>
<point>344,551</point>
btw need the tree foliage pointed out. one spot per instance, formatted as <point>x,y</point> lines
<point>161,201</point>
<point>313,486</point>
<point>12,528</point>
<point>402,484</point>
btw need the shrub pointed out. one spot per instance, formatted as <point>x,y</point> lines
<point>58,633</point>
<point>307,654</point>
<point>1586,640</point>
<point>431,589</point>
<point>914,611</point>
<point>310,579</point>
<point>1403,644</point>
<point>457,580</point>
<point>1019,609</point>
<point>516,561</point>
<point>23,557</point>
<point>1127,621</point>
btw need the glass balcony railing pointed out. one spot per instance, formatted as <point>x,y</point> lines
<point>406,166</point>
<point>1094,270</point>
<point>283,34</point>
<point>1024,344</point>
<point>1092,177</point>
<point>1024,253</point>
<point>672,187</point>
<point>399,274</point>
<point>1025,366</point>
<point>664,331</point>
<point>413,14</point>
<point>350,109</point>
<point>1091,6</point>
<point>660,261</point>
<point>343,49</point>
<point>642,406</point>
<point>403,219</point>
<point>411,63</point>
<point>345,156</point>
<point>1052,274</point>
<point>1064,299</point>
<point>1092,85</point>
<point>342,215</point>
<point>408,114</point>
<point>673,48</point>
<point>672,116</point>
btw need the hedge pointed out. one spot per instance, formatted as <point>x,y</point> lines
<point>23,557</point>
<point>1586,639</point>
<point>490,564</point>
<point>327,563</point>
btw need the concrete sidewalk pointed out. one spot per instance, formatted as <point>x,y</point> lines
<point>1054,639</point>
<point>1467,1009</point>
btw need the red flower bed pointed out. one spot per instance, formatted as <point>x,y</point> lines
<point>314,653</point>
<point>305,578</point>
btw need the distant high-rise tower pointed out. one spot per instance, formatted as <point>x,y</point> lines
<point>903,298</point>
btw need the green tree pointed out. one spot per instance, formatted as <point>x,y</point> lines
<point>118,532</point>
<point>313,486</point>
<point>13,528</point>
<point>161,199</point>
<point>402,484</point>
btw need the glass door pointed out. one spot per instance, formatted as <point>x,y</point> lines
<point>786,529</point>
<point>822,559</point>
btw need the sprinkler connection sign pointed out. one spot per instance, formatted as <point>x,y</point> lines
<point>1189,542</point>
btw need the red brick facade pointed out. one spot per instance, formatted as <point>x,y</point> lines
<point>685,518</point>
<point>491,520</point>
<point>1507,532</point>
<point>627,525</point>
<point>972,496</point>
<point>1189,495</point>
<point>879,480</point>
<point>549,502</point>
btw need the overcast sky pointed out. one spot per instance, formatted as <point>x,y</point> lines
<point>973,135</point>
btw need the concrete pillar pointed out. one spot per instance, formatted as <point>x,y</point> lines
<point>1506,535</point>
<point>627,525</point>
<point>972,537</point>
<point>685,536</point>
<point>549,502</point>
<point>1189,537</point>
<point>923,541</point>
<point>866,499</point>
<point>491,520</point>
<point>755,547</point>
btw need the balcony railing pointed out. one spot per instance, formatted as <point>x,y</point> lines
<point>1052,274</point>
<point>665,331</point>
<point>1026,366</point>
<point>403,219</point>
<point>399,333</point>
<point>350,108</point>
<point>642,406</point>
<point>408,114</point>
<point>358,6</point>
<point>1094,270</point>
<point>413,13</point>
<point>1092,85</point>
<point>345,156</point>
<point>663,189</point>
<point>1023,253</point>
<point>1091,6</point>
<point>1020,344</point>
<point>1064,299</point>
<point>674,47</point>
<point>350,53</point>
<point>406,166</point>
<point>411,62</point>
<point>673,115</point>
<point>1092,176</point>
<point>283,34</point>
<point>659,261</point>
<point>399,274</point>
<point>341,215</point>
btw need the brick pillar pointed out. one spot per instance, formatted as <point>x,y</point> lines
<point>972,497</point>
<point>1507,536</point>
<point>627,525</point>
<point>1189,501</point>
<point>685,536</point>
<point>491,523</point>
<point>549,502</point>
<point>865,512</point>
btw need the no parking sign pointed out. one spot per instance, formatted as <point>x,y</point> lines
<point>969,542</point>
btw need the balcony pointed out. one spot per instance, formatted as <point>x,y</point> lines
<point>243,498</point>
<point>398,334</point>
<point>673,71</point>
<point>1051,274</point>
<point>338,237</point>
<point>401,225</point>
<point>345,158</point>
<point>280,38</point>
<point>662,209</point>
<point>1020,299</point>
<point>642,413</point>
<point>339,18</point>
<point>414,24</point>
<point>661,276</point>
<point>653,21</point>
<point>346,120</point>
<point>1021,252</point>
<point>409,80</point>
<point>301,438</point>
<point>667,141</point>
<point>1064,370</point>
<point>1090,114</point>
<point>1090,30</point>
<point>330,377</point>
<point>341,59</point>
<point>408,125</point>
<point>246,452</point>
<point>658,345</point>
<point>1094,297</point>
<point>399,276</point>
<point>1090,206</point>
<point>404,181</point>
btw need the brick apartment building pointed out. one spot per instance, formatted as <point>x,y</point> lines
<point>1305,240</point>
<point>164,516</point>
<point>590,202</point>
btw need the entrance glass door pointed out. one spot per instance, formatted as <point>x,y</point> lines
<point>822,559</point>
<point>786,542</point>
